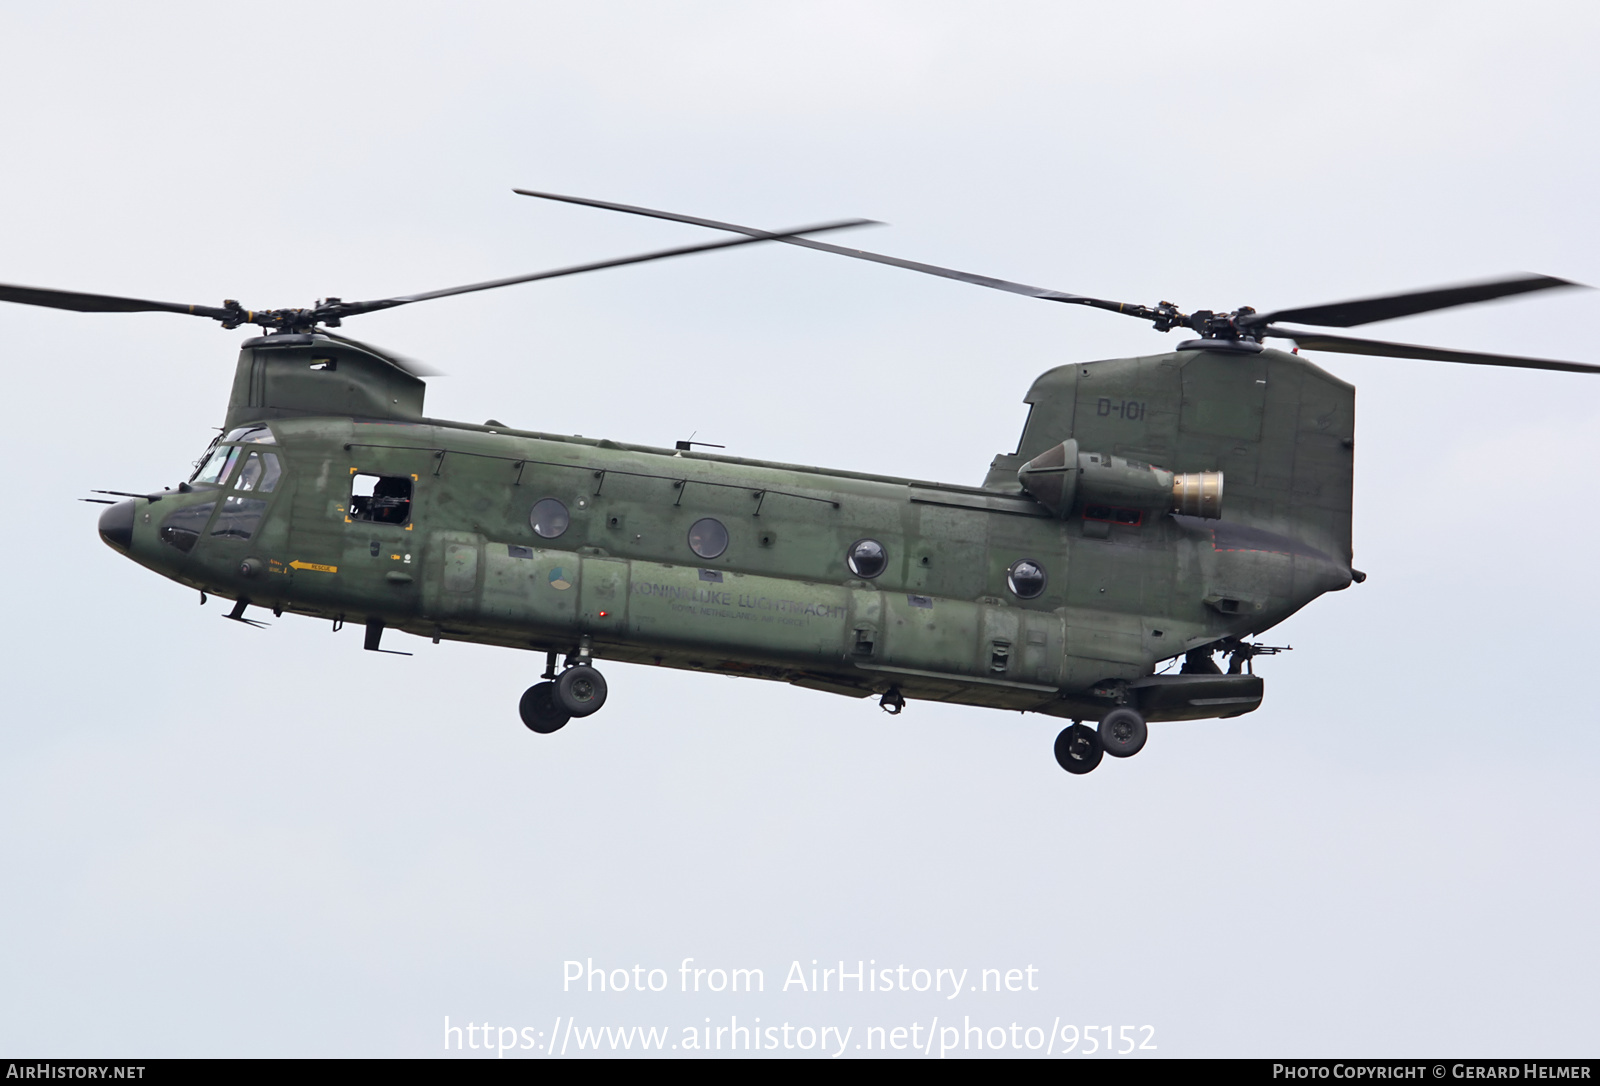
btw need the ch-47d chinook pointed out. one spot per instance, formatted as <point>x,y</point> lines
<point>1157,508</point>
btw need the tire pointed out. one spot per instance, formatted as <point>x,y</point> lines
<point>539,709</point>
<point>1078,748</point>
<point>1123,732</point>
<point>580,690</point>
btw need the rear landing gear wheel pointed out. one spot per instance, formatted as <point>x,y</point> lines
<point>580,690</point>
<point>1078,748</point>
<point>540,711</point>
<point>1123,732</point>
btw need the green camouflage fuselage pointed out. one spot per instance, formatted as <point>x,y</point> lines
<point>780,602</point>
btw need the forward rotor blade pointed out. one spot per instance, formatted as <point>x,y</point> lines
<point>858,254</point>
<point>1388,306</point>
<point>345,309</point>
<point>100,303</point>
<point>1319,341</point>
<point>398,361</point>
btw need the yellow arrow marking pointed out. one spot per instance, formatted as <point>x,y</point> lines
<point>297,564</point>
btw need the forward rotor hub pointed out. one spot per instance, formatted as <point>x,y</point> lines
<point>278,321</point>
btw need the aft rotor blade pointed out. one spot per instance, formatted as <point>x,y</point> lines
<point>1319,341</point>
<point>858,254</point>
<point>345,309</point>
<point>101,303</point>
<point>1388,306</point>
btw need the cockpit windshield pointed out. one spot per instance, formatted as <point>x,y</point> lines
<point>221,462</point>
<point>217,465</point>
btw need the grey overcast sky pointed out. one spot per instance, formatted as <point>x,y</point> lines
<point>219,840</point>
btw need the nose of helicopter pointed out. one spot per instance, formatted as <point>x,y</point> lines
<point>116,526</point>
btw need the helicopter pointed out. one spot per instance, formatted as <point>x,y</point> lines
<point>1157,509</point>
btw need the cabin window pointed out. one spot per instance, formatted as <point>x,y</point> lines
<point>182,529</point>
<point>239,518</point>
<point>708,538</point>
<point>867,558</point>
<point>1026,579</point>
<point>549,518</point>
<point>381,499</point>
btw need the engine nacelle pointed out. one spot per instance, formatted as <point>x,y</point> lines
<point>1063,478</point>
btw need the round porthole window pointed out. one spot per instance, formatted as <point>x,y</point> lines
<point>867,558</point>
<point>549,518</point>
<point>1026,579</point>
<point>708,538</point>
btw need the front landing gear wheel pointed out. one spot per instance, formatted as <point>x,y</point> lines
<point>1123,732</point>
<point>580,690</point>
<point>540,711</point>
<point>1078,748</point>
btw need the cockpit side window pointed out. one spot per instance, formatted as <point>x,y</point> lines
<point>259,472</point>
<point>382,499</point>
<point>250,474</point>
<point>269,472</point>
